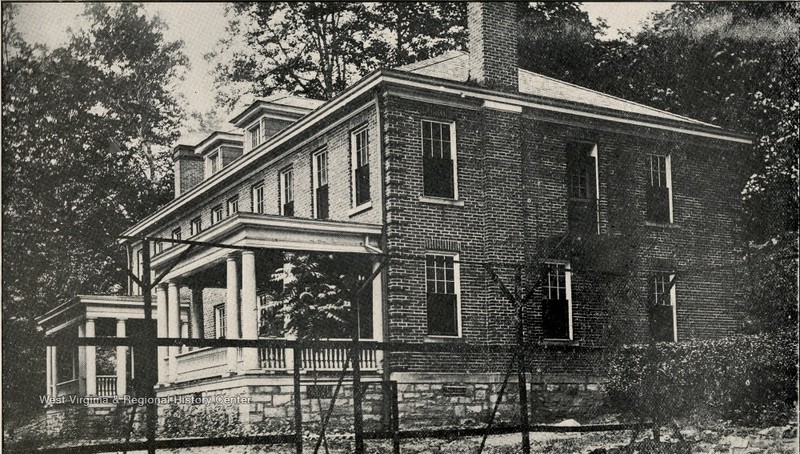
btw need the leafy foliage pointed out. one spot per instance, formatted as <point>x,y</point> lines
<point>313,300</point>
<point>78,171</point>
<point>747,379</point>
<point>317,49</point>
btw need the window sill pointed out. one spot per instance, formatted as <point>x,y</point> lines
<point>560,342</point>
<point>443,339</point>
<point>668,225</point>
<point>359,209</point>
<point>441,201</point>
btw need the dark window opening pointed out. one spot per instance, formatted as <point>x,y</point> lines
<point>662,310</point>
<point>437,160</point>
<point>555,302</point>
<point>442,299</point>
<point>582,188</point>
<point>658,192</point>
<point>361,159</point>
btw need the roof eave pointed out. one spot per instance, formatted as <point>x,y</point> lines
<point>567,105</point>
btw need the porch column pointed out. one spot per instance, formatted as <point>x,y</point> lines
<point>122,361</point>
<point>249,309</point>
<point>91,361</point>
<point>377,312</point>
<point>173,326</point>
<point>81,372</point>
<point>196,313</point>
<point>49,367</point>
<point>232,310</point>
<point>184,335</point>
<point>161,330</point>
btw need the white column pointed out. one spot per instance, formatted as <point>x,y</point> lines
<point>122,361</point>
<point>161,330</point>
<point>54,369</point>
<point>91,361</point>
<point>49,367</point>
<point>232,310</point>
<point>184,334</point>
<point>81,375</point>
<point>377,312</point>
<point>173,326</point>
<point>196,313</point>
<point>249,309</point>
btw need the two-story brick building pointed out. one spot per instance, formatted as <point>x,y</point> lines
<point>441,168</point>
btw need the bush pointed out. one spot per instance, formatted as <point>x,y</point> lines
<point>746,379</point>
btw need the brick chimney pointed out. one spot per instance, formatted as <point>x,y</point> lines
<point>493,45</point>
<point>189,168</point>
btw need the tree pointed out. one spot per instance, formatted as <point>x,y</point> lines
<point>736,66</point>
<point>313,298</point>
<point>557,39</point>
<point>78,171</point>
<point>317,49</point>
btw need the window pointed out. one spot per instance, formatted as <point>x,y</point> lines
<point>213,162</point>
<point>659,193</point>
<point>557,301</point>
<point>438,160</point>
<point>219,321</point>
<point>662,298</point>
<point>216,214</point>
<point>287,192</point>
<point>176,234</point>
<point>233,205</point>
<point>320,176</point>
<point>582,187</point>
<point>139,270</point>
<point>196,226</point>
<point>257,198</point>
<point>159,247</point>
<point>442,280</point>
<point>359,144</point>
<point>255,135</point>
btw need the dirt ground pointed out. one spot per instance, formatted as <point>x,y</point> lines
<point>713,439</point>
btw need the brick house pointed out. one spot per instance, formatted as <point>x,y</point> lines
<point>606,208</point>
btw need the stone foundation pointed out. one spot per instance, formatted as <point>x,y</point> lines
<point>259,404</point>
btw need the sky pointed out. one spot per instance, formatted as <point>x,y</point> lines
<point>202,25</point>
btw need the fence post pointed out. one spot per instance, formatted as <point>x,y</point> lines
<point>395,417</point>
<point>523,391</point>
<point>298,409</point>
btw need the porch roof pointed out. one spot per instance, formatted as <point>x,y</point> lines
<point>96,306</point>
<point>267,231</point>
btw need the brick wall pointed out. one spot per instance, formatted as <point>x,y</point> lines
<point>512,182</point>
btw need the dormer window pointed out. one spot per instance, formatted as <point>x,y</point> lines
<point>255,135</point>
<point>213,163</point>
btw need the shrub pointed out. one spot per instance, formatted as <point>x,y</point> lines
<point>746,379</point>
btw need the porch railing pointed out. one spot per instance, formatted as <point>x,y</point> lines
<point>106,385</point>
<point>321,359</point>
<point>202,363</point>
<point>213,362</point>
<point>67,388</point>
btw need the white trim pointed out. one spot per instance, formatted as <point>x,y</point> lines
<point>536,105</point>
<point>673,299</point>
<point>456,289</point>
<point>441,201</point>
<point>494,105</point>
<point>668,164</point>
<point>359,209</point>
<point>354,162</point>
<point>453,155</point>
<point>567,290</point>
<point>282,189</point>
<point>315,180</point>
